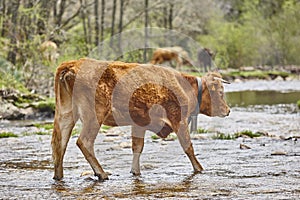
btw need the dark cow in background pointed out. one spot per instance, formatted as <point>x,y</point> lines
<point>205,59</point>
<point>145,96</point>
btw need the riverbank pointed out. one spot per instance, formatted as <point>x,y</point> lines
<point>16,105</point>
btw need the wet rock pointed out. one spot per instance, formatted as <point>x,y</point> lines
<point>114,148</point>
<point>243,146</point>
<point>147,166</point>
<point>237,80</point>
<point>9,111</point>
<point>169,139</point>
<point>125,145</point>
<point>278,78</point>
<point>110,139</point>
<point>112,134</point>
<point>86,173</point>
<point>278,153</point>
<point>199,136</point>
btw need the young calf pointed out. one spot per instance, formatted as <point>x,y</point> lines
<point>147,97</point>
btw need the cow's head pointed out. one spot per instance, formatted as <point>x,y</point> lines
<point>213,98</point>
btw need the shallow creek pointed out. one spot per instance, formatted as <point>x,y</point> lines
<point>269,169</point>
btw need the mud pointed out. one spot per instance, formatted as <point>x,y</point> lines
<point>270,169</point>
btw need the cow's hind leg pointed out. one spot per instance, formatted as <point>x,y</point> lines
<point>86,144</point>
<point>63,125</point>
<point>137,135</point>
<point>185,142</point>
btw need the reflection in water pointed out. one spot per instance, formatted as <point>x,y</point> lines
<point>137,187</point>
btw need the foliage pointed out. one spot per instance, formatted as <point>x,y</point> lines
<point>104,128</point>
<point>253,37</point>
<point>46,126</point>
<point>247,133</point>
<point>241,32</point>
<point>223,136</point>
<point>155,137</point>
<point>298,103</point>
<point>45,105</point>
<point>201,130</point>
<point>7,135</point>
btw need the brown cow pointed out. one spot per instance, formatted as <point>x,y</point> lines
<point>49,51</point>
<point>147,97</point>
<point>176,53</point>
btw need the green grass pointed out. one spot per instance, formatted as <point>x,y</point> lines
<point>7,135</point>
<point>75,131</point>
<point>248,133</point>
<point>46,105</point>
<point>201,130</point>
<point>223,136</point>
<point>46,126</point>
<point>42,133</point>
<point>155,137</point>
<point>104,128</point>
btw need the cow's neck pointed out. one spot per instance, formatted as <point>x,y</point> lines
<point>194,114</point>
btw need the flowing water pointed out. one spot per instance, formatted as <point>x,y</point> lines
<point>269,169</point>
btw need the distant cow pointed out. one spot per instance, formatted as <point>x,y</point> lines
<point>49,51</point>
<point>165,54</point>
<point>145,96</point>
<point>205,57</point>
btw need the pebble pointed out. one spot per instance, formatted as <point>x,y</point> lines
<point>86,173</point>
<point>125,145</point>
<point>278,153</point>
<point>243,146</point>
<point>110,139</point>
<point>199,136</point>
<point>147,166</point>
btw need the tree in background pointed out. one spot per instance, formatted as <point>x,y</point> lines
<point>242,32</point>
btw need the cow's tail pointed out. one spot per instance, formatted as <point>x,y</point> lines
<point>65,77</point>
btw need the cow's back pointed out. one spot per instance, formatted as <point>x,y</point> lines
<point>125,93</point>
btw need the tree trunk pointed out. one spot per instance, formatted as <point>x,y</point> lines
<point>102,20</point>
<point>112,32</point>
<point>171,16</point>
<point>121,26</point>
<point>84,25</point>
<point>12,54</point>
<point>3,18</point>
<point>165,11</point>
<point>60,13</point>
<point>146,31</point>
<point>44,13</point>
<point>96,22</point>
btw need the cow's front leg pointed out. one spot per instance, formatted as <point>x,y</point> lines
<point>86,144</point>
<point>137,135</point>
<point>185,142</point>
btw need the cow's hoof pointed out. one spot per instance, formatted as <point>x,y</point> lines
<point>196,171</point>
<point>102,177</point>
<point>57,178</point>
<point>135,173</point>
